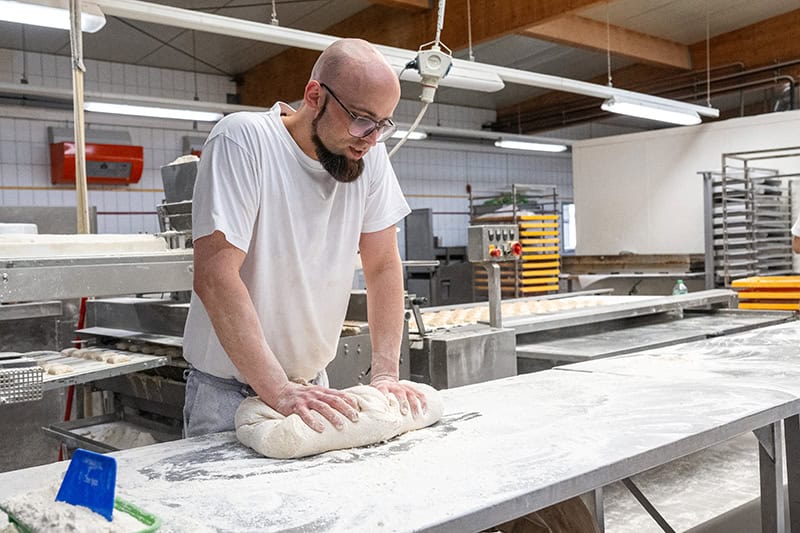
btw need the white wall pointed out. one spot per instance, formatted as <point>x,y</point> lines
<point>641,192</point>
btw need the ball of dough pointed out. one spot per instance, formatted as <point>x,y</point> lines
<point>274,435</point>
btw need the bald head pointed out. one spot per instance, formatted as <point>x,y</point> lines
<point>354,64</point>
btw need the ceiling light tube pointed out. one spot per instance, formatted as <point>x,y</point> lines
<point>149,111</point>
<point>531,146</point>
<point>415,135</point>
<point>51,14</point>
<point>651,111</point>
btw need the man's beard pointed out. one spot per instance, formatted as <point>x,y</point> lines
<point>340,167</point>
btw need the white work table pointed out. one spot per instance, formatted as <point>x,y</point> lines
<point>503,449</point>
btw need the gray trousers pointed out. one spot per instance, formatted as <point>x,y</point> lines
<point>211,402</point>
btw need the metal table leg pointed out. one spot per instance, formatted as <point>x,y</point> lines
<point>792,428</point>
<point>599,510</point>
<point>770,462</point>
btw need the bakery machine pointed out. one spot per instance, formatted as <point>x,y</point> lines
<point>476,352</point>
<point>448,278</point>
<point>462,344</point>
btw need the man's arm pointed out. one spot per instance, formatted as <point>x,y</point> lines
<point>219,286</point>
<point>385,309</point>
<point>796,244</point>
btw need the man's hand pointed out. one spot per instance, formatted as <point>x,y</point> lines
<point>294,398</point>
<point>406,395</point>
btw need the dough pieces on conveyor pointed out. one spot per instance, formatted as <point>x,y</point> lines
<point>56,369</point>
<point>447,318</point>
<point>274,435</point>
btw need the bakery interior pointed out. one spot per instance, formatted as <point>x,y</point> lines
<point>637,350</point>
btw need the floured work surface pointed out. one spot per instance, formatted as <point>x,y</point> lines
<point>502,449</point>
<point>761,358</point>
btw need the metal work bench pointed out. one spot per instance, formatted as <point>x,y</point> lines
<point>504,448</point>
<point>604,340</point>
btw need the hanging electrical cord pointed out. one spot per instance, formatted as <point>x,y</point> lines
<point>469,33</point>
<point>194,57</point>
<point>274,19</point>
<point>608,47</point>
<point>708,55</point>
<point>439,24</point>
<point>433,64</point>
<point>78,71</point>
<point>24,79</point>
<point>413,127</point>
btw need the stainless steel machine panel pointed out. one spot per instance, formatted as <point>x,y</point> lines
<point>465,356</point>
<point>482,240</point>
<point>353,363</point>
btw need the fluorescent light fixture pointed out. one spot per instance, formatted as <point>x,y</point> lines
<point>415,135</point>
<point>651,111</point>
<point>149,111</point>
<point>51,14</point>
<point>532,146</point>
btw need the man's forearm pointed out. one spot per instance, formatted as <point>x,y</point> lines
<point>239,331</point>
<point>385,308</point>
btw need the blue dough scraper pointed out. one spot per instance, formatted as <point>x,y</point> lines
<point>90,482</point>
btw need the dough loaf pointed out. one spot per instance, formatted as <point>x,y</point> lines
<point>56,369</point>
<point>270,433</point>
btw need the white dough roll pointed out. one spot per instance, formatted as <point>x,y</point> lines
<point>270,433</point>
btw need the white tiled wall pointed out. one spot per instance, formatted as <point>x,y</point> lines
<point>431,175</point>
<point>102,76</point>
<point>24,153</point>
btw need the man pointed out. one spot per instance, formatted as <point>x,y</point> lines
<point>283,202</point>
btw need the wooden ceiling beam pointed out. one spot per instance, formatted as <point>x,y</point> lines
<point>415,5</point>
<point>574,30</point>
<point>770,41</point>
<point>764,43</point>
<point>284,76</point>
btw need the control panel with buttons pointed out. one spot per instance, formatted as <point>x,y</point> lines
<point>493,243</point>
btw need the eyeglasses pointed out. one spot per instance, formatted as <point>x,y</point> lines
<point>362,126</point>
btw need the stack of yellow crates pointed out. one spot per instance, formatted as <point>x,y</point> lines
<point>768,292</point>
<point>540,263</point>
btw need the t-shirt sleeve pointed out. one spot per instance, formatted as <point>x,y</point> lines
<point>386,205</point>
<point>226,192</point>
<point>796,228</point>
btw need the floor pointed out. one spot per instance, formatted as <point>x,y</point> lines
<point>712,491</point>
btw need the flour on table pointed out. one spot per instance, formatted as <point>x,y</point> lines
<point>270,433</point>
<point>120,435</point>
<point>39,511</point>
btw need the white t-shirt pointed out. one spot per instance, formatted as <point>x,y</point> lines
<point>300,230</point>
<point>796,228</point>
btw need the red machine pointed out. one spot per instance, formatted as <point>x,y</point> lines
<point>110,164</point>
